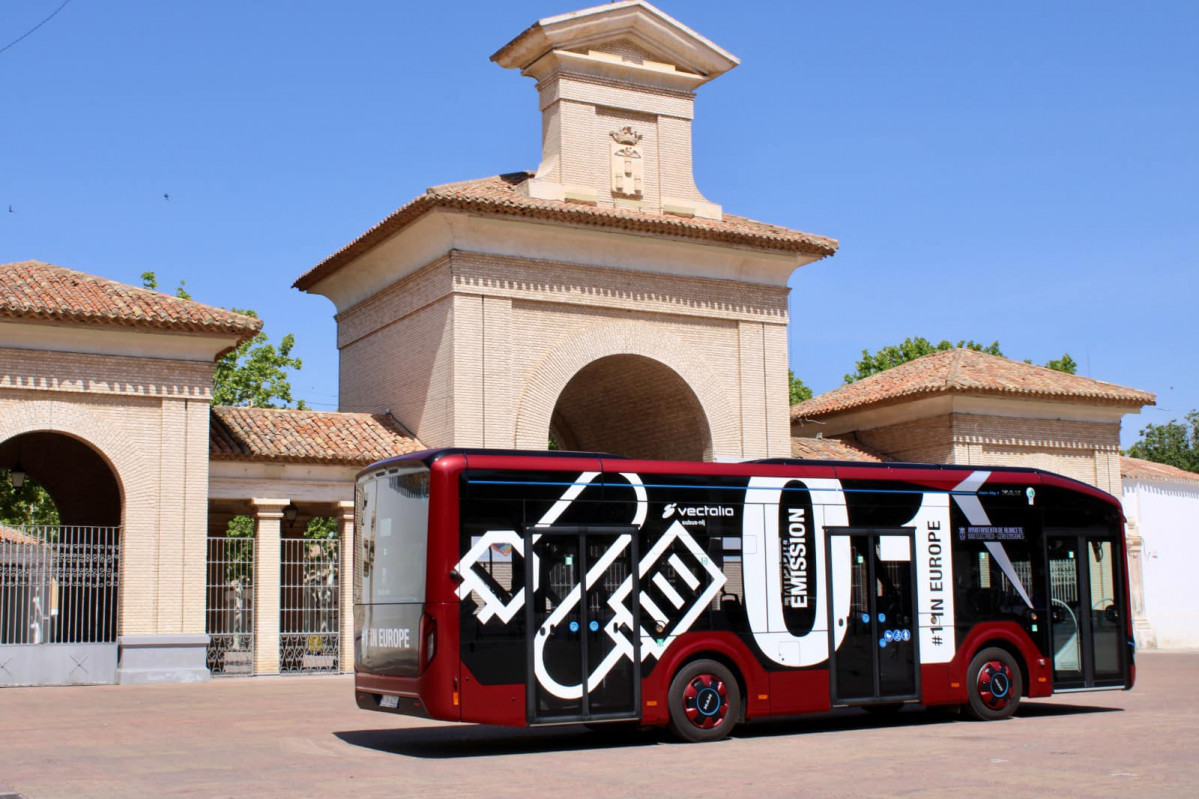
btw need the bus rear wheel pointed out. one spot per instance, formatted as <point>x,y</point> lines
<point>995,684</point>
<point>705,702</point>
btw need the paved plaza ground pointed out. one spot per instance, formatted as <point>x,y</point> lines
<point>305,737</point>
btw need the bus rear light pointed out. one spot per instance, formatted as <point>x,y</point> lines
<point>428,637</point>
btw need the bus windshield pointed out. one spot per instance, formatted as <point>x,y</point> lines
<point>395,536</point>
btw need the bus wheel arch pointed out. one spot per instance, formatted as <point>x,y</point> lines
<point>994,684</point>
<point>706,700</point>
<point>1017,655</point>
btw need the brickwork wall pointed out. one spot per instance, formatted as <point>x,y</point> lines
<point>148,419</point>
<point>619,289</point>
<point>923,441</point>
<point>552,343</point>
<point>405,367</point>
<point>454,350</point>
<point>579,114</point>
<point>1086,451</point>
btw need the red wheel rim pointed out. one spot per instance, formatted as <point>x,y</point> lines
<point>706,701</point>
<point>995,685</point>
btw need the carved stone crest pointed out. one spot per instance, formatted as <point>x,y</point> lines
<point>628,166</point>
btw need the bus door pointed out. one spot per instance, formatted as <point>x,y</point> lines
<point>877,660</point>
<point>584,650</point>
<point>1086,617</point>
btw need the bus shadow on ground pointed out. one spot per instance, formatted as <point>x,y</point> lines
<point>915,716</point>
<point>482,740</point>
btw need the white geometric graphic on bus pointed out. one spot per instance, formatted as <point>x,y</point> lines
<point>473,583</point>
<point>659,624</point>
<point>703,581</point>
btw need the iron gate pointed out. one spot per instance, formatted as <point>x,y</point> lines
<point>309,606</point>
<point>59,587</point>
<point>229,606</point>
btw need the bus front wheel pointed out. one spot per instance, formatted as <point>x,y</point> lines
<point>705,701</point>
<point>995,684</point>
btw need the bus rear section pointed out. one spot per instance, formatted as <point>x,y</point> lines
<point>395,626</point>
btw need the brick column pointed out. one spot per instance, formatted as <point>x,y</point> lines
<point>346,584</point>
<point>269,513</point>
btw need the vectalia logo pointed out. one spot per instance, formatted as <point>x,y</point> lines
<point>697,511</point>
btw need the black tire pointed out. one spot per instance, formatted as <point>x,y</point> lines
<point>705,702</point>
<point>995,685</point>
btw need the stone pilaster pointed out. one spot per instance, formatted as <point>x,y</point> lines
<point>346,583</point>
<point>269,513</point>
<point>1142,630</point>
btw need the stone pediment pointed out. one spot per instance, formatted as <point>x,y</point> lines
<point>631,36</point>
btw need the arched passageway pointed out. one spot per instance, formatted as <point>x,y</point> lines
<point>634,406</point>
<point>59,598</point>
<point>79,481</point>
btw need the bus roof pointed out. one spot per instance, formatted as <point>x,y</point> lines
<point>516,459</point>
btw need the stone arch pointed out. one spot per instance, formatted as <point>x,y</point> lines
<point>591,344</point>
<point>134,482</point>
<point>79,422</point>
<point>633,406</point>
<point>77,477</point>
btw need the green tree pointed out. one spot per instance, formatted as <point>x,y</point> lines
<point>910,350</point>
<point>1174,443</point>
<point>1063,364</point>
<point>913,348</point>
<point>255,373</point>
<point>799,391</point>
<point>28,505</point>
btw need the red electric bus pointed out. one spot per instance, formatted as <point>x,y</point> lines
<point>551,588</point>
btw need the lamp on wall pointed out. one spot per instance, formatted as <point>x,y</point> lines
<point>16,475</point>
<point>290,513</point>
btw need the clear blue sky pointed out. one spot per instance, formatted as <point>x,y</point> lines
<point>1020,171</point>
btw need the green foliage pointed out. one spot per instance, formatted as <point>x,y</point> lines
<point>239,554</point>
<point>1064,364</point>
<point>910,350</point>
<point>255,373</point>
<point>240,527</point>
<point>913,348</point>
<point>1174,443</point>
<point>799,391</point>
<point>28,505</point>
<point>150,281</point>
<point>321,527</point>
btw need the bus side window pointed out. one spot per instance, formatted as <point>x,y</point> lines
<point>726,554</point>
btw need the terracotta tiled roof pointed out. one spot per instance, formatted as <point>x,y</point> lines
<point>832,449</point>
<point>36,290</point>
<point>500,195</point>
<point>16,536</point>
<point>1137,469</point>
<point>967,371</point>
<point>274,434</point>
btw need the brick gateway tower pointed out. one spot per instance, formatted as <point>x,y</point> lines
<point>601,300</point>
